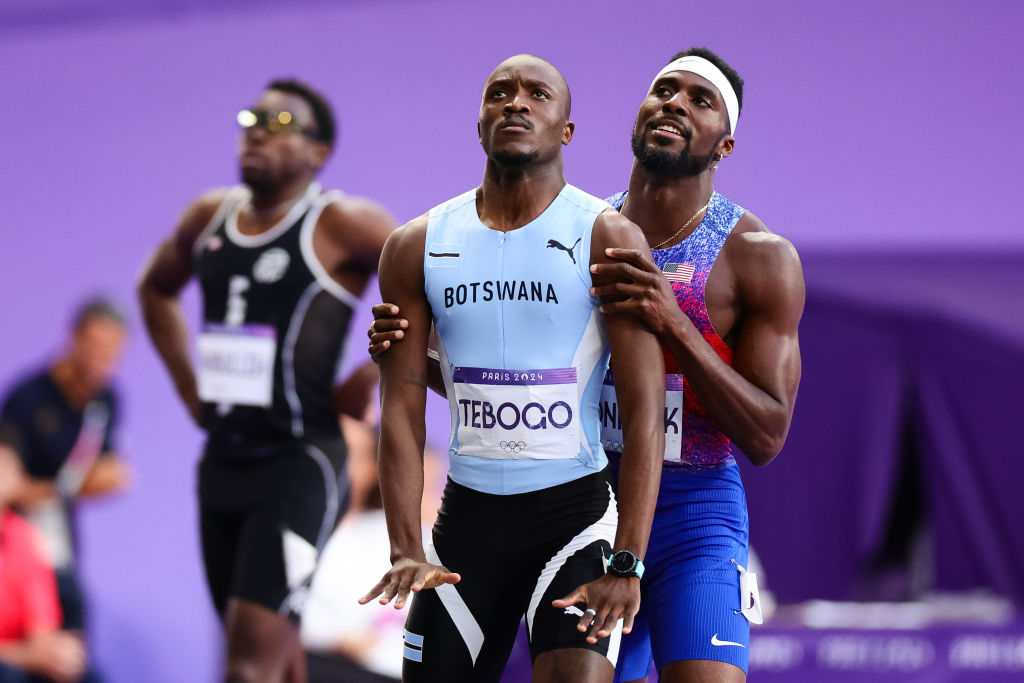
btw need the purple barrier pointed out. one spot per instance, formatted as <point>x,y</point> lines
<point>946,654</point>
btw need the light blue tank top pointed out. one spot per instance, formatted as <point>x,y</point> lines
<point>522,344</point>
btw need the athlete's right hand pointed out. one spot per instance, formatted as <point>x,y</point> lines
<point>408,575</point>
<point>386,328</point>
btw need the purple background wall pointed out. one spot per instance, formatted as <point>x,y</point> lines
<point>868,126</point>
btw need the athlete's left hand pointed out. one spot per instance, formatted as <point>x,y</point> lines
<point>638,287</point>
<point>607,599</point>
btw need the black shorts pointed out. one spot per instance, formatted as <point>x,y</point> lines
<point>265,519</point>
<point>515,555</point>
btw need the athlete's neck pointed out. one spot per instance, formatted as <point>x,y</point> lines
<point>660,205</point>
<point>265,199</point>
<point>511,198</point>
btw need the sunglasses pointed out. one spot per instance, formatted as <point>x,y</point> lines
<point>273,122</point>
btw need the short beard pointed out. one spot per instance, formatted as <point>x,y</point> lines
<point>516,159</point>
<point>660,162</point>
<point>258,183</point>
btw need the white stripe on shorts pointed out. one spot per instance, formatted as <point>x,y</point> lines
<point>458,610</point>
<point>601,530</point>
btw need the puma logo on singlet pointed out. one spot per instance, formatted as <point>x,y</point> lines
<point>574,610</point>
<point>568,250</point>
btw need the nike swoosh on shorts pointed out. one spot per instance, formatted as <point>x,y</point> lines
<point>716,641</point>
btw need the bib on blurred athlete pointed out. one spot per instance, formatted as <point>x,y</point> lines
<point>611,419</point>
<point>517,413</point>
<point>236,364</point>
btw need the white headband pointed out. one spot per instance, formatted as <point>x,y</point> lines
<point>706,69</point>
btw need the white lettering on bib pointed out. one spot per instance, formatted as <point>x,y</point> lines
<point>236,364</point>
<point>514,414</point>
<point>611,419</point>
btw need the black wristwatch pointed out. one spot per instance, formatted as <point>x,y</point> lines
<point>625,564</point>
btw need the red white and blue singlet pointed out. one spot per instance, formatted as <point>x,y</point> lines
<point>693,591</point>
<point>687,266</point>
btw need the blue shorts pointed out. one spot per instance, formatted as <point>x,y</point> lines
<point>691,586</point>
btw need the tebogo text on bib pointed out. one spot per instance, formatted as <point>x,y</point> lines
<point>517,413</point>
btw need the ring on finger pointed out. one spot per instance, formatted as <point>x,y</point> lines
<point>591,610</point>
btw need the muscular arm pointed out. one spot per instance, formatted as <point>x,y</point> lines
<point>386,329</point>
<point>752,401</point>
<point>640,387</point>
<point>403,430</point>
<point>404,392</point>
<point>163,277</point>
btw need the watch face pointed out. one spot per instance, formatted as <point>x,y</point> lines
<point>622,562</point>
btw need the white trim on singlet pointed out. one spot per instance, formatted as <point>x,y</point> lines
<point>601,530</point>
<point>288,356</point>
<point>458,610</point>
<point>449,390</point>
<point>279,228</point>
<point>331,487</point>
<point>234,195</point>
<point>588,352</point>
<point>309,253</point>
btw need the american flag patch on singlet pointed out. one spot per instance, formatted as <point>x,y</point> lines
<point>678,272</point>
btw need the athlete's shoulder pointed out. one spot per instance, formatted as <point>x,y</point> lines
<point>583,200</point>
<point>751,236</point>
<point>409,234</point>
<point>456,203</point>
<point>355,212</point>
<point>361,225</point>
<point>764,262</point>
<point>612,229</point>
<point>201,210</point>
<point>403,251</point>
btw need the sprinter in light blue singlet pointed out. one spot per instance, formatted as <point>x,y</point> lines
<point>528,516</point>
<point>522,344</point>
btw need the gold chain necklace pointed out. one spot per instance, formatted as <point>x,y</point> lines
<point>687,223</point>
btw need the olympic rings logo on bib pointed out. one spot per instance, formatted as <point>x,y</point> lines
<point>504,407</point>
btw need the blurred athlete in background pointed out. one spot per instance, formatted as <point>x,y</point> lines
<point>281,265</point>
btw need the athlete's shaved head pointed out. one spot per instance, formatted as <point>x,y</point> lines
<point>558,80</point>
<point>524,112</point>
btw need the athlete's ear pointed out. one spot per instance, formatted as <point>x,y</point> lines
<point>726,146</point>
<point>567,132</point>
<point>318,153</point>
<point>479,133</point>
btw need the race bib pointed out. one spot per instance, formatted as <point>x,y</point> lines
<point>611,419</point>
<point>512,414</point>
<point>236,364</point>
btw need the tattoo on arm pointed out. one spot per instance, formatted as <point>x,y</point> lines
<point>417,379</point>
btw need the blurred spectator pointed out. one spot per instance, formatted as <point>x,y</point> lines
<point>32,648</point>
<point>352,642</point>
<point>64,417</point>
